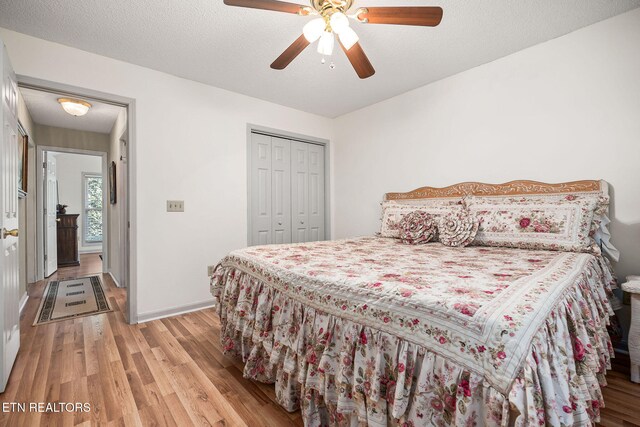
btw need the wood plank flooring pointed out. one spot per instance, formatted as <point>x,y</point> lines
<point>164,372</point>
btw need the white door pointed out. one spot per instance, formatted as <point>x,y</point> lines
<point>287,191</point>
<point>316,192</point>
<point>50,215</point>
<point>299,192</point>
<point>9,260</point>
<point>281,190</point>
<point>261,196</point>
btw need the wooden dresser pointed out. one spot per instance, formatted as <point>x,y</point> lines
<point>68,240</point>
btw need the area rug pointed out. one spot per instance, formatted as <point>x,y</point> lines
<point>70,298</point>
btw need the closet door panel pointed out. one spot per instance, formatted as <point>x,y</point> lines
<point>300,191</point>
<point>261,190</point>
<point>316,192</point>
<point>281,189</point>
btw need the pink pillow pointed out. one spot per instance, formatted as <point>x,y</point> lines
<point>417,227</point>
<point>458,228</point>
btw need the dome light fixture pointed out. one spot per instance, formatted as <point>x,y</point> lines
<point>75,107</point>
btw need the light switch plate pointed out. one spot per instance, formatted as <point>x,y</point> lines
<point>175,205</point>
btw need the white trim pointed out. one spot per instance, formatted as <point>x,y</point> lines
<point>251,128</point>
<point>174,311</point>
<point>130,245</point>
<point>38,216</point>
<point>23,301</point>
<point>114,279</point>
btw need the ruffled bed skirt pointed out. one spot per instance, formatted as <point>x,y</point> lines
<point>341,373</point>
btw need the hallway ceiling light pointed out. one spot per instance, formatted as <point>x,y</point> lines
<point>75,107</point>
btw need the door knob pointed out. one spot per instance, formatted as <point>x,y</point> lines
<point>6,233</point>
<point>58,220</point>
<point>302,222</point>
<point>279,222</point>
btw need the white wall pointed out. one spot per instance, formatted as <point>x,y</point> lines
<point>69,170</point>
<point>190,144</point>
<point>564,110</point>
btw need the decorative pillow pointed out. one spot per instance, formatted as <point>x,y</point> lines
<point>458,228</point>
<point>417,228</point>
<point>602,237</point>
<point>600,230</point>
<point>393,212</point>
<point>562,222</point>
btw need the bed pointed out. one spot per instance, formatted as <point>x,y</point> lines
<point>372,331</point>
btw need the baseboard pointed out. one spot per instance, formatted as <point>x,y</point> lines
<point>114,279</point>
<point>23,301</point>
<point>174,311</point>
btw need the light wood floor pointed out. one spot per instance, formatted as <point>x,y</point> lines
<point>164,372</point>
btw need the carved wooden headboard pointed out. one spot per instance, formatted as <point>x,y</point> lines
<point>507,189</point>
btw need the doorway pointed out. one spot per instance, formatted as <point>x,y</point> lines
<point>103,229</point>
<point>74,201</point>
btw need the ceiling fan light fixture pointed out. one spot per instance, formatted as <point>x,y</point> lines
<point>314,29</point>
<point>339,22</point>
<point>348,38</point>
<point>335,15</point>
<point>75,107</point>
<point>325,45</point>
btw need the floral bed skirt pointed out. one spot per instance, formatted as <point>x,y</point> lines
<point>340,373</point>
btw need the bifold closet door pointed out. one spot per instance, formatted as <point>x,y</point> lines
<point>287,191</point>
<point>316,192</point>
<point>281,190</point>
<point>261,218</point>
<point>307,192</point>
<point>270,190</point>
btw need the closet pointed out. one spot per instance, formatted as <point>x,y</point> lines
<point>287,190</point>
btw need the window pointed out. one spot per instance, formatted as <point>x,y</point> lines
<point>92,197</point>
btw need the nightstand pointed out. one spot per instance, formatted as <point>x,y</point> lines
<point>632,285</point>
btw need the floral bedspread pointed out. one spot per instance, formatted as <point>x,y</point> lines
<point>354,322</point>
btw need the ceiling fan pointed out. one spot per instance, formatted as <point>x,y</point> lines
<point>334,19</point>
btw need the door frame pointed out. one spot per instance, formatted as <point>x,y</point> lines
<point>130,244</point>
<point>252,128</point>
<point>40,231</point>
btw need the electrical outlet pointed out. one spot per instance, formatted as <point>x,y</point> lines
<point>210,270</point>
<point>175,205</point>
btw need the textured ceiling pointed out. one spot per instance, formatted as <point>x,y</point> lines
<point>232,48</point>
<point>45,110</point>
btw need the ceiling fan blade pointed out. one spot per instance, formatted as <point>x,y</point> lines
<point>408,15</point>
<point>278,6</point>
<point>359,60</point>
<point>290,53</point>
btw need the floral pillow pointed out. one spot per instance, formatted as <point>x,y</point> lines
<point>394,211</point>
<point>458,228</point>
<point>562,222</point>
<point>417,227</point>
